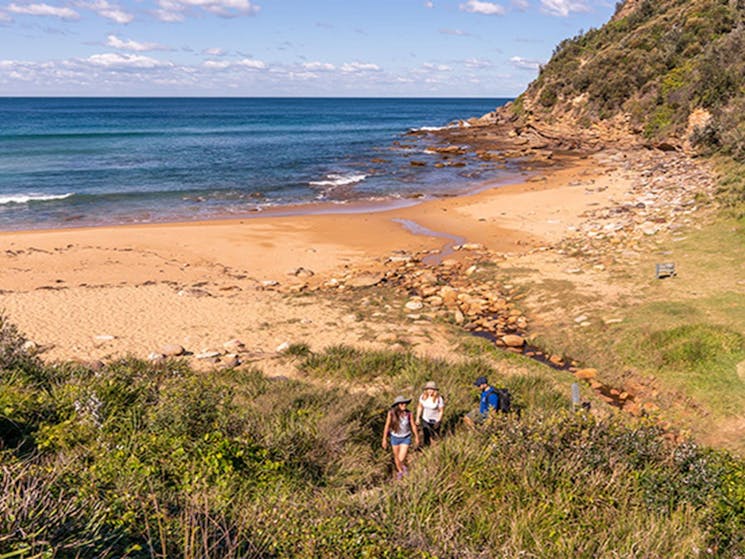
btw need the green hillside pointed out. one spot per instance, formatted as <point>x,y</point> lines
<point>670,70</point>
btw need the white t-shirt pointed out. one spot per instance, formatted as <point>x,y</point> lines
<point>431,409</point>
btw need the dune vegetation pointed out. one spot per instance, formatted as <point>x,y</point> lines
<point>143,460</point>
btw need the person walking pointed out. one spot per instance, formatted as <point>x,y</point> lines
<point>399,427</point>
<point>429,412</point>
<point>489,401</point>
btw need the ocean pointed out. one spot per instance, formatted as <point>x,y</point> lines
<point>70,162</point>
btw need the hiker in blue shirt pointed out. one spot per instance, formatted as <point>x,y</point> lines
<point>489,401</point>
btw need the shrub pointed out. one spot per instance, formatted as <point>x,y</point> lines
<point>13,353</point>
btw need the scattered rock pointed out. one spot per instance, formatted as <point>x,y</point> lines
<point>586,374</point>
<point>513,340</point>
<point>230,361</point>
<point>104,338</point>
<point>172,350</point>
<point>414,305</point>
<point>194,292</point>
<point>302,273</point>
<point>366,280</point>
<point>234,346</point>
<point>284,346</point>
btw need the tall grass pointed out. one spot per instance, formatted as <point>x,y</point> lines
<point>143,461</point>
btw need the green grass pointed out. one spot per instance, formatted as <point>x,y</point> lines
<point>143,461</point>
<point>680,337</point>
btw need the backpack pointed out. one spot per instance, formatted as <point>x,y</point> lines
<point>505,400</point>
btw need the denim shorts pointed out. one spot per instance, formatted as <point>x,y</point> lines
<point>396,441</point>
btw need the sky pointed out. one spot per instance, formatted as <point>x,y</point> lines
<point>247,48</point>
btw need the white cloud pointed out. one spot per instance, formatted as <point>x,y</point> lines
<point>43,10</point>
<point>436,67</point>
<point>243,63</point>
<point>476,63</point>
<point>524,63</point>
<point>316,66</point>
<point>173,10</point>
<point>217,64</point>
<point>128,44</point>
<point>250,63</point>
<point>521,5</point>
<point>429,4</point>
<point>214,51</point>
<point>563,7</point>
<point>351,67</point>
<point>5,17</point>
<point>109,11</point>
<point>303,76</point>
<point>116,60</point>
<point>485,8</point>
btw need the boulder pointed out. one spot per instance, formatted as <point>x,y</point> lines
<point>427,278</point>
<point>586,374</point>
<point>513,340</point>
<point>414,305</point>
<point>367,280</point>
<point>172,350</point>
<point>449,296</point>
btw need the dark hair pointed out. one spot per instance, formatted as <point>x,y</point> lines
<point>396,415</point>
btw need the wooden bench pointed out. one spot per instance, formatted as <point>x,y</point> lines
<point>665,270</point>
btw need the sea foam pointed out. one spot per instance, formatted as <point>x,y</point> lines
<point>26,198</point>
<point>338,180</point>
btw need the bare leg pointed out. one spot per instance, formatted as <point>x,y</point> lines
<point>396,461</point>
<point>402,450</point>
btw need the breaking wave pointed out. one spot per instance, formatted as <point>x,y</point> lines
<point>338,180</point>
<point>26,198</point>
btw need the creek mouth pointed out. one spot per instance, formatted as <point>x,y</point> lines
<point>447,249</point>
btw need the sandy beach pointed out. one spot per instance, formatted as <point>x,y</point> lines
<point>99,293</point>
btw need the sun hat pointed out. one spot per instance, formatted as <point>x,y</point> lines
<point>430,385</point>
<point>479,381</point>
<point>400,400</point>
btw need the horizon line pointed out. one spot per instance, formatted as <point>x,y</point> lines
<point>244,97</point>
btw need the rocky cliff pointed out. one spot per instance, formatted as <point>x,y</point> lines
<point>665,72</point>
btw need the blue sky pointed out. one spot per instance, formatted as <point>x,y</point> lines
<point>407,48</point>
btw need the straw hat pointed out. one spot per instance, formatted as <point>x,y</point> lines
<point>430,385</point>
<point>400,400</point>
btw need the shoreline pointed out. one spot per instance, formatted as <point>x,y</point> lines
<point>320,207</point>
<point>131,289</point>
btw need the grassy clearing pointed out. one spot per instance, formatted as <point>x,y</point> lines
<point>681,337</point>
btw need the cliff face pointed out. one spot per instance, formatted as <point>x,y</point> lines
<point>665,71</point>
